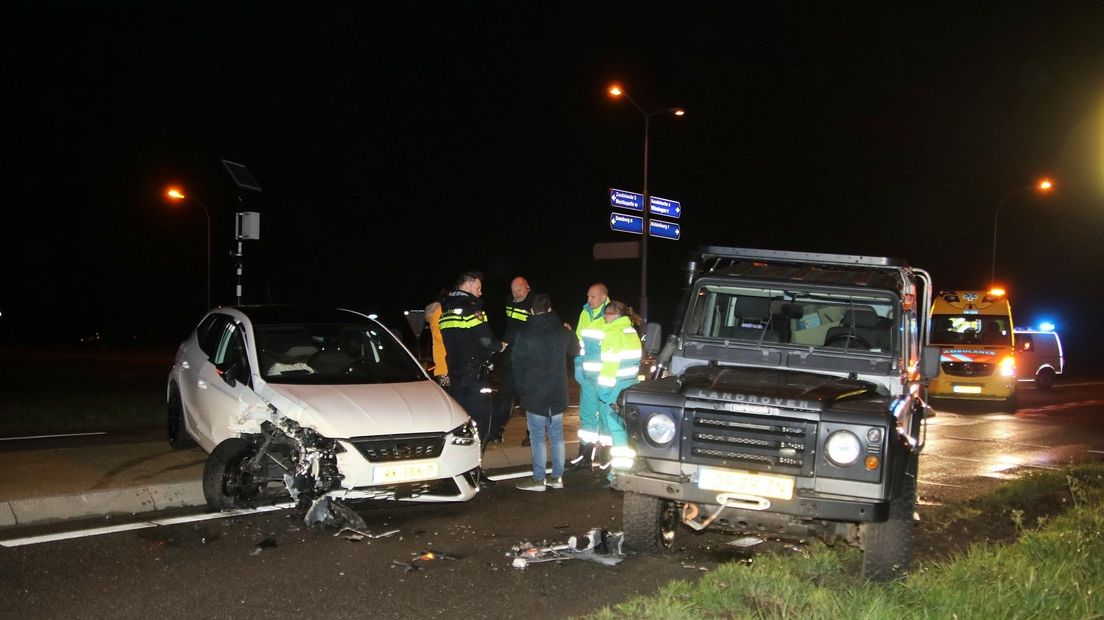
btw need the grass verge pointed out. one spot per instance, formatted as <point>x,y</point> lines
<point>75,390</point>
<point>1053,569</point>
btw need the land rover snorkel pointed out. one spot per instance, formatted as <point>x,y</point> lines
<point>789,402</point>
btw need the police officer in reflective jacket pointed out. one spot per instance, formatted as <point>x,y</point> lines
<point>518,311</point>
<point>469,345</point>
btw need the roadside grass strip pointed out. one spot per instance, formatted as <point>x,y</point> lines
<point>1054,570</point>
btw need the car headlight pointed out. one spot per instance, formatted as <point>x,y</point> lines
<point>843,448</point>
<point>660,429</point>
<point>1008,367</point>
<point>464,435</point>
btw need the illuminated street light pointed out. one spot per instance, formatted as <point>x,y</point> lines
<point>616,91</point>
<point>1044,186</point>
<point>177,195</point>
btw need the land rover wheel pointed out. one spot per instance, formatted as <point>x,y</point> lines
<point>227,481</point>
<point>887,546</point>
<point>1044,380</point>
<point>178,436</point>
<point>647,524</point>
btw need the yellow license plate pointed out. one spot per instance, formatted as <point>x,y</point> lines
<point>761,485</point>
<point>404,473</point>
<point>967,389</point>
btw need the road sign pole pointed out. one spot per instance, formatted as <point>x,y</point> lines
<point>644,237</point>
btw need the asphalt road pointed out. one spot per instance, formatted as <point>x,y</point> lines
<point>272,564</point>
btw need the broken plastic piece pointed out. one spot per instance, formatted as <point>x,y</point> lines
<point>353,534</point>
<point>329,512</point>
<point>598,545</point>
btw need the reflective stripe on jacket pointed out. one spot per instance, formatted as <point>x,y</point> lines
<point>468,340</point>
<point>517,313</point>
<point>620,353</point>
<point>591,331</point>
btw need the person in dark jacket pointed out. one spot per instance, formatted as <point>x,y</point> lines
<point>517,313</point>
<point>540,352</point>
<point>469,345</point>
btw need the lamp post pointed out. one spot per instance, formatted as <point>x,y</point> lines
<point>177,195</point>
<point>1043,187</point>
<point>617,91</point>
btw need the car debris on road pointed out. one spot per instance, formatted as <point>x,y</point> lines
<point>424,556</point>
<point>601,546</point>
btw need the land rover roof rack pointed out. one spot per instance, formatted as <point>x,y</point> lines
<point>716,251</point>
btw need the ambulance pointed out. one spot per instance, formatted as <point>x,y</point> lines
<point>973,330</point>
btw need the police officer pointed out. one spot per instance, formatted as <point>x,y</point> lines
<point>518,310</point>
<point>469,345</point>
<point>591,330</point>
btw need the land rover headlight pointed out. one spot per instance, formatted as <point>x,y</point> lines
<point>660,429</point>
<point>843,448</point>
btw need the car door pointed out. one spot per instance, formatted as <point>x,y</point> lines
<point>196,353</point>
<point>1027,357</point>
<point>223,378</point>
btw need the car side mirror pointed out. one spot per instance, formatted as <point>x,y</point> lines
<point>929,362</point>
<point>653,335</point>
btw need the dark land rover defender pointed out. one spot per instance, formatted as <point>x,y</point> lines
<point>789,402</point>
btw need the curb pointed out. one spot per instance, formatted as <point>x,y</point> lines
<point>138,500</point>
<point>101,503</point>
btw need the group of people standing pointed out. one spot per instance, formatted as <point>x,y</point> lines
<point>533,357</point>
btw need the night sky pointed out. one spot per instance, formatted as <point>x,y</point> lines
<point>397,147</point>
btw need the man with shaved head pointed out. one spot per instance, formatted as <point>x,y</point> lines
<point>591,330</point>
<point>518,310</point>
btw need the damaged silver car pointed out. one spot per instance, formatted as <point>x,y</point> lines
<point>315,403</point>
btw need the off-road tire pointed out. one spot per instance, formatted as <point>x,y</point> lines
<point>887,546</point>
<point>642,522</point>
<point>1044,380</point>
<point>177,434</point>
<point>225,485</point>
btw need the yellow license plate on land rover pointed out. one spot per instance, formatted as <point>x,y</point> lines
<point>732,481</point>
<point>404,473</point>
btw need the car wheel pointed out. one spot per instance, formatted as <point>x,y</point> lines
<point>178,436</point>
<point>887,546</point>
<point>1045,379</point>
<point>646,523</point>
<point>228,482</point>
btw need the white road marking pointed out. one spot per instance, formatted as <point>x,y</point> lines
<point>519,474</point>
<point>141,525</point>
<point>52,436</point>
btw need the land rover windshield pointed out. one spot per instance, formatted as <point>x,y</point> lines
<point>762,314</point>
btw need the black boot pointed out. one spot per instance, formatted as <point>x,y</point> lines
<point>602,459</point>
<point>583,459</point>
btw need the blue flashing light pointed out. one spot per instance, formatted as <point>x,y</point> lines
<point>1046,326</point>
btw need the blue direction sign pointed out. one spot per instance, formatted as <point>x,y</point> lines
<point>626,223</point>
<point>664,207</point>
<point>666,230</point>
<point>626,200</point>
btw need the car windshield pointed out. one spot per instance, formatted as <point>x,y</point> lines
<point>761,315</point>
<point>971,329</point>
<point>333,354</point>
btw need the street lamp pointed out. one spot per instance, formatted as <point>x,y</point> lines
<point>177,195</point>
<point>617,91</point>
<point>1043,186</point>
